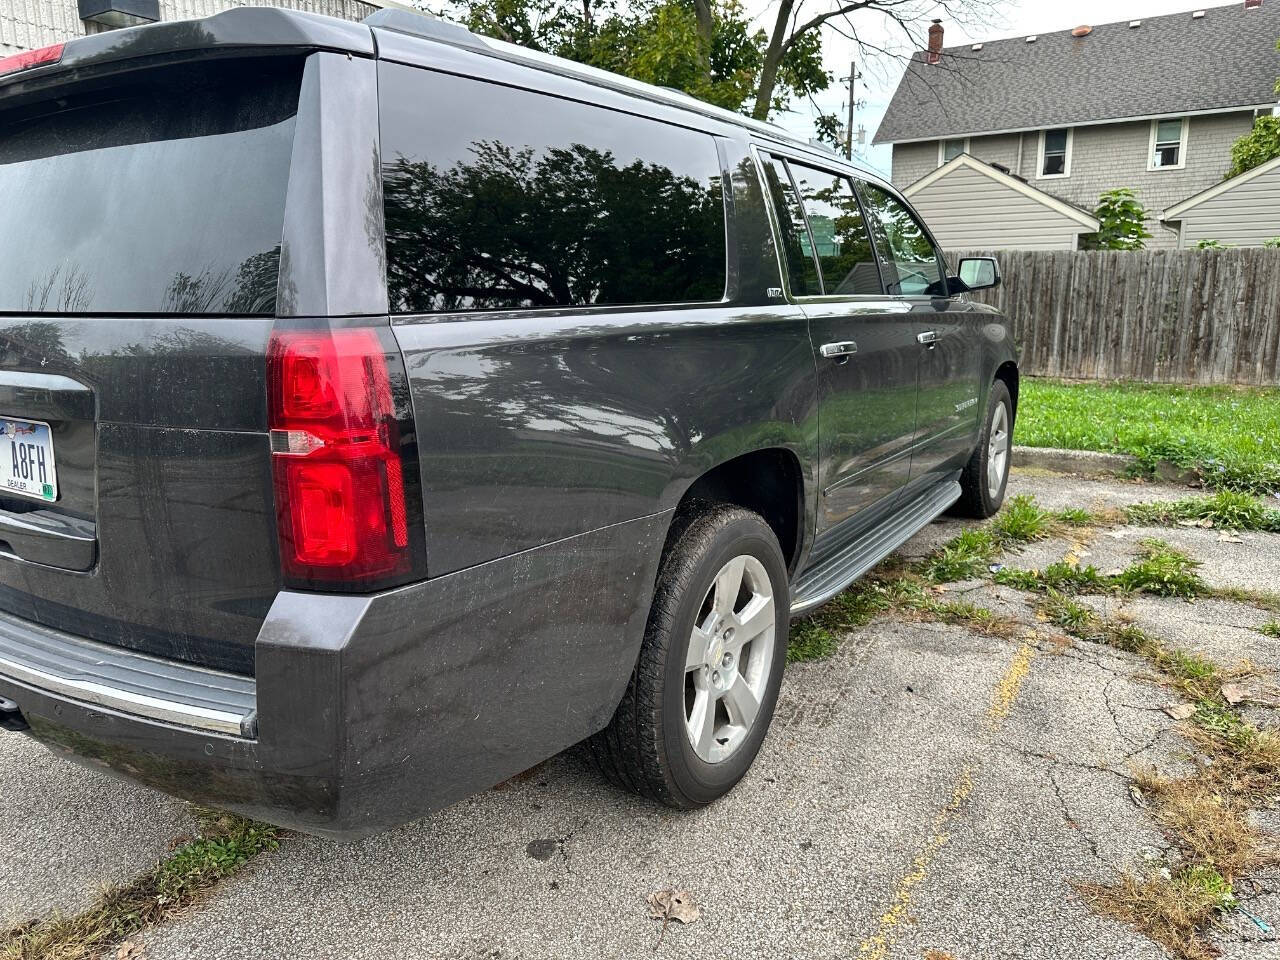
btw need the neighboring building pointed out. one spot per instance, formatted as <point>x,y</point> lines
<point>28,24</point>
<point>1029,219</point>
<point>1241,212</point>
<point>1152,104</point>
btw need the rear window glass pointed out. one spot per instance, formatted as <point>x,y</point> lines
<point>162,195</point>
<point>498,199</point>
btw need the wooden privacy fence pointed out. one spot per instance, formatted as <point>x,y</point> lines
<point>1181,316</point>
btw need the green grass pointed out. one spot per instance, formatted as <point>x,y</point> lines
<point>226,843</point>
<point>1163,571</point>
<point>1022,521</point>
<point>1228,509</point>
<point>1271,628</point>
<point>1074,517</point>
<point>816,636</point>
<point>1232,435</point>
<point>963,557</point>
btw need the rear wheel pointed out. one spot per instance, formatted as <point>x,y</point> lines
<point>702,695</point>
<point>986,475</point>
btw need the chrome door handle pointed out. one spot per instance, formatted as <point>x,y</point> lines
<point>929,337</point>
<point>844,348</point>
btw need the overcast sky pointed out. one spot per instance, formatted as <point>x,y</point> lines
<point>1015,18</point>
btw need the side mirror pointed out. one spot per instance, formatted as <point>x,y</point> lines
<point>979,273</point>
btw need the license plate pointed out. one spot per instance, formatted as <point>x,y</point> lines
<point>26,459</point>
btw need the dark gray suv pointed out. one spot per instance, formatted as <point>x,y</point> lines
<point>385,409</point>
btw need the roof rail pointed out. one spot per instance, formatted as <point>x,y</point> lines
<point>423,25</point>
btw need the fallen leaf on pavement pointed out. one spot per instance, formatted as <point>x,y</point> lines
<point>1234,693</point>
<point>1137,796</point>
<point>671,904</point>
<point>1116,534</point>
<point>1180,711</point>
<point>130,950</point>
<point>1225,537</point>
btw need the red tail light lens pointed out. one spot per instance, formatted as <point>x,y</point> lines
<point>31,58</point>
<point>340,500</point>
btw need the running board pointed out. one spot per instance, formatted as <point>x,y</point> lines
<point>819,584</point>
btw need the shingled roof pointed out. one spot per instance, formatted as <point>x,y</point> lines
<point>1168,65</point>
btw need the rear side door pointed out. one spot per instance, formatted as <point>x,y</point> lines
<point>947,336</point>
<point>864,343</point>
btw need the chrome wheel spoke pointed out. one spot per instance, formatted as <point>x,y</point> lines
<point>698,644</point>
<point>701,723</point>
<point>755,618</point>
<point>728,584</point>
<point>741,702</point>
<point>997,449</point>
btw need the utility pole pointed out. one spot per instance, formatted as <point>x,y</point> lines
<point>848,130</point>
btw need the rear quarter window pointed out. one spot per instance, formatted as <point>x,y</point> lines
<point>159,194</point>
<point>497,198</point>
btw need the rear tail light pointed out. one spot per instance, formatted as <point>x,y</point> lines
<point>31,58</point>
<point>335,450</point>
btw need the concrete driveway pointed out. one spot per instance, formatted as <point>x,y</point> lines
<point>928,791</point>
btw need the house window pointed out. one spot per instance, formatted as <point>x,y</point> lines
<point>1055,153</point>
<point>1168,144</point>
<point>948,150</point>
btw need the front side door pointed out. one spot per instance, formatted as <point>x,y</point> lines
<point>864,344</point>
<point>947,333</point>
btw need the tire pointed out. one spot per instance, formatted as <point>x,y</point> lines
<point>986,476</point>
<point>647,747</point>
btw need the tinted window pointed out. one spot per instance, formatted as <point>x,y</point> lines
<point>839,234</point>
<point>500,199</point>
<point>909,262</point>
<point>796,247</point>
<point>163,195</point>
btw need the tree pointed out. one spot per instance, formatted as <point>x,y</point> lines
<point>1122,219</point>
<point>1256,147</point>
<point>707,48</point>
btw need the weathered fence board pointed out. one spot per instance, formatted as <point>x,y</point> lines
<point>1182,316</point>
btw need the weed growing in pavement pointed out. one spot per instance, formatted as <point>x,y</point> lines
<point>225,844</point>
<point>1228,509</point>
<point>1172,910</point>
<point>816,636</point>
<point>1163,571</point>
<point>1075,517</point>
<point>1022,521</point>
<point>1271,628</point>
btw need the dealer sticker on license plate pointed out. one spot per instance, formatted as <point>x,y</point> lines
<point>26,459</point>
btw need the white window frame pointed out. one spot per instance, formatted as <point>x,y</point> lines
<point>942,148</point>
<point>1152,166</point>
<point>1066,161</point>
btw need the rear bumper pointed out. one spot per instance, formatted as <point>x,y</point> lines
<point>366,711</point>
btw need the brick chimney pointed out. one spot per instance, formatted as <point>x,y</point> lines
<point>935,41</point>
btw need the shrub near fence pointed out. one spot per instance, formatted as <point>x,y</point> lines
<point>1176,316</point>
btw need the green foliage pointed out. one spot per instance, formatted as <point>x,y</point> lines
<point>657,41</point>
<point>1226,508</point>
<point>1059,576</point>
<point>817,636</point>
<point>1256,147</point>
<point>1022,520</point>
<point>1163,571</point>
<point>1271,628</point>
<point>1071,616</point>
<point>1122,219</point>
<point>1074,517</point>
<point>963,557</point>
<point>1211,245</point>
<point>1272,243</point>
<point>1231,435</point>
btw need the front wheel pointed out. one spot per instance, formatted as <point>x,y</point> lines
<point>702,695</point>
<point>986,475</point>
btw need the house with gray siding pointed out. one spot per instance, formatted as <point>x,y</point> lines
<point>28,24</point>
<point>1153,105</point>
<point>1241,212</point>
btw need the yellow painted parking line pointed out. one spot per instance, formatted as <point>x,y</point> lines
<point>876,946</point>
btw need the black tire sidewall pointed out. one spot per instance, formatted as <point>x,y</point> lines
<point>696,781</point>
<point>999,394</point>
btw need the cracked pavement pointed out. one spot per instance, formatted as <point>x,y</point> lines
<point>925,788</point>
